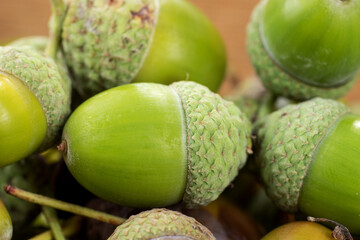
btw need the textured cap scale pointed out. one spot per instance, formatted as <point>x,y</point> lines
<point>288,139</point>
<point>218,136</point>
<point>160,222</point>
<point>105,42</point>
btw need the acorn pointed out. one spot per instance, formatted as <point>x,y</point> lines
<point>114,42</point>
<point>6,229</point>
<point>161,224</point>
<point>34,100</point>
<point>308,155</point>
<point>151,145</point>
<point>306,49</point>
<point>300,230</point>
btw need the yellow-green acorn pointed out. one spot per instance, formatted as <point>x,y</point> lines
<point>34,102</point>
<point>300,230</point>
<point>159,224</point>
<point>110,43</point>
<point>306,49</point>
<point>309,158</point>
<point>152,145</point>
<point>6,229</point>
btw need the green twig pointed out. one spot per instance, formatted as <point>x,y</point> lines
<point>64,206</point>
<point>69,228</point>
<point>58,9</point>
<point>53,222</point>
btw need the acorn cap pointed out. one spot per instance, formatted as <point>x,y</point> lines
<point>158,223</point>
<point>48,82</point>
<point>36,42</point>
<point>218,137</point>
<point>287,141</point>
<point>118,44</point>
<point>276,79</point>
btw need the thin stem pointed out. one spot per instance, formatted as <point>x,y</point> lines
<point>64,206</point>
<point>69,228</point>
<point>53,222</point>
<point>58,9</point>
<point>340,232</point>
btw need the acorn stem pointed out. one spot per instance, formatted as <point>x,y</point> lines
<point>58,9</point>
<point>53,222</point>
<point>340,232</point>
<point>62,147</point>
<point>69,228</point>
<point>64,206</point>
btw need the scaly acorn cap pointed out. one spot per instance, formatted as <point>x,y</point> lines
<point>188,140</point>
<point>159,223</point>
<point>218,139</point>
<point>111,43</point>
<point>275,78</point>
<point>106,41</point>
<point>287,140</point>
<point>36,42</point>
<point>48,82</point>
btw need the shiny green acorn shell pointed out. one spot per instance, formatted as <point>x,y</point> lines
<point>309,159</point>
<point>159,224</point>
<point>152,145</point>
<point>308,49</point>
<point>110,43</point>
<point>35,102</point>
<point>6,229</point>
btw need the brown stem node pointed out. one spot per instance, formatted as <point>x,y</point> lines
<point>62,147</point>
<point>340,232</point>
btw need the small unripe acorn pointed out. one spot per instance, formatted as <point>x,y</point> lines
<point>309,156</point>
<point>300,230</point>
<point>161,224</point>
<point>34,102</point>
<point>110,43</point>
<point>152,145</point>
<point>6,229</point>
<point>306,49</point>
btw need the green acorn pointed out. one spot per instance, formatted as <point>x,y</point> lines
<point>161,224</point>
<point>309,160</point>
<point>306,49</point>
<point>151,145</point>
<point>110,43</point>
<point>34,102</point>
<point>6,229</point>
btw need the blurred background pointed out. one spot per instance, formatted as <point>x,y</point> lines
<point>30,17</point>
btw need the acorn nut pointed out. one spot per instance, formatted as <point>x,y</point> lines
<point>306,49</point>
<point>309,158</point>
<point>6,229</point>
<point>110,43</point>
<point>150,145</point>
<point>34,102</point>
<point>300,230</point>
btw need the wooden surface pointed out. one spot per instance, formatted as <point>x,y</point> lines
<point>30,17</point>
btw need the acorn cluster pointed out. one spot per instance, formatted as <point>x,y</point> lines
<point>117,110</point>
